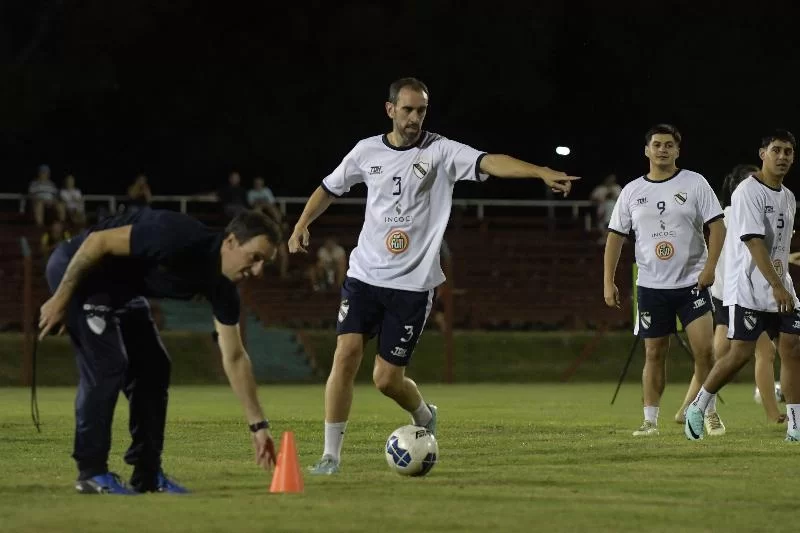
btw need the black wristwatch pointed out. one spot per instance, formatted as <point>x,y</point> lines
<point>258,426</point>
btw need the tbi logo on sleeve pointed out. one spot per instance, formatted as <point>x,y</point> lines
<point>664,250</point>
<point>397,241</point>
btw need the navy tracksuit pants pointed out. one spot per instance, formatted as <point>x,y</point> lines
<point>118,349</point>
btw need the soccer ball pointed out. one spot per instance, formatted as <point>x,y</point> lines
<point>778,394</point>
<point>411,451</point>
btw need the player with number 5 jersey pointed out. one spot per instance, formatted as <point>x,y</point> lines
<point>409,174</point>
<point>759,291</point>
<point>665,212</point>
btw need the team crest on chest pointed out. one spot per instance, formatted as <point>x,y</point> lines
<point>681,197</point>
<point>421,168</point>
<point>397,241</point>
<point>665,250</point>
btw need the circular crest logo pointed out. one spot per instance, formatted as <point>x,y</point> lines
<point>397,241</point>
<point>665,250</point>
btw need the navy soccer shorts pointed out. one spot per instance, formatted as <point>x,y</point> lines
<point>396,316</point>
<point>747,324</point>
<point>659,307</point>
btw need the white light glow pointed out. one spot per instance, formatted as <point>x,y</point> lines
<point>562,150</point>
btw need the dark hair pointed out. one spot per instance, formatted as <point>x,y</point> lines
<point>733,179</point>
<point>413,83</point>
<point>779,135</point>
<point>249,224</point>
<point>664,129</point>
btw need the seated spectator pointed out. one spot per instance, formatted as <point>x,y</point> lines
<point>330,268</point>
<point>43,194</point>
<point>233,197</point>
<point>52,237</point>
<point>139,194</point>
<point>260,197</point>
<point>604,196</point>
<point>72,199</point>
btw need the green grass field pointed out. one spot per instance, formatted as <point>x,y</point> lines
<point>512,458</point>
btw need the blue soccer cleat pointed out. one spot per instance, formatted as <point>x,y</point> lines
<point>693,427</point>
<point>161,483</point>
<point>165,484</point>
<point>108,483</point>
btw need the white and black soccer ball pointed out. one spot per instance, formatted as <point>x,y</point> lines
<point>411,451</point>
<point>778,394</point>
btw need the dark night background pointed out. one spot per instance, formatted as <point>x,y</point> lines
<point>186,91</point>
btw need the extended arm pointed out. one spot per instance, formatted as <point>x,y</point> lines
<point>504,166</point>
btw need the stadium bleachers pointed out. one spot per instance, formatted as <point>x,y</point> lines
<point>508,272</point>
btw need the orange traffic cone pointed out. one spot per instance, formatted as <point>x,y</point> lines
<point>287,476</point>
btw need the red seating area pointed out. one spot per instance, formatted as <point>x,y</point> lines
<point>508,273</point>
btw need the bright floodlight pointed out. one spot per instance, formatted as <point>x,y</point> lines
<point>562,150</point>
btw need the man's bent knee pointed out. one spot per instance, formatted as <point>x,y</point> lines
<point>388,378</point>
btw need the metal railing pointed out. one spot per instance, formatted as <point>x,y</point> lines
<point>183,201</point>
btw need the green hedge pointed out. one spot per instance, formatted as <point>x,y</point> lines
<point>482,356</point>
<point>195,359</point>
<point>479,357</point>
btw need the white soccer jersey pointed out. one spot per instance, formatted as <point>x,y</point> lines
<point>719,273</point>
<point>758,210</point>
<point>667,220</point>
<point>409,195</point>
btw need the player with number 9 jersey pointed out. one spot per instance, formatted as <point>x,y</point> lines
<point>664,212</point>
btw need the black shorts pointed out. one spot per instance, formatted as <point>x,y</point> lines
<point>748,324</point>
<point>720,313</point>
<point>659,307</point>
<point>396,316</point>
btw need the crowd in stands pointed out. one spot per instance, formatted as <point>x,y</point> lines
<point>60,213</point>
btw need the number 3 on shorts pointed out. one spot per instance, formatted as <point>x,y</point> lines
<point>409,334</point>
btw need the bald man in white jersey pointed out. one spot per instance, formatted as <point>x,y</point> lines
<point>388,291</point>
<point>666,210</point>
<point>759,291</point>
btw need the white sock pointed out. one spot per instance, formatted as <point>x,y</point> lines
<point>703,399</point>
<point>793,416</point>
<point>712,405</point>
<point>651,414</point>
<point>334,437</point>
<point>422,415</point>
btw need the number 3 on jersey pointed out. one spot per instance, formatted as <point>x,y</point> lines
<point>397,186</point>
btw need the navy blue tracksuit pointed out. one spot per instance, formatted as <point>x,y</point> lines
<point>115,339</point>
